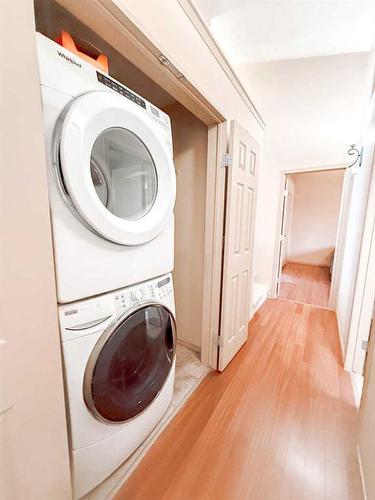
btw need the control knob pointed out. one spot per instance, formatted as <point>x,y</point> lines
<point>137,295</point>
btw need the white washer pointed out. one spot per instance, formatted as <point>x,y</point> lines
<point>119,356</point>
<point>111,178</point>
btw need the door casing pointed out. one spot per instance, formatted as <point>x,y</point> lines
<point>277,253</point>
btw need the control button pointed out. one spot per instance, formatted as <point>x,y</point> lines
<point>72,311</point>
<point>137,295</point>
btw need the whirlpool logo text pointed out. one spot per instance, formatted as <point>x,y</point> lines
<point>69,59</point>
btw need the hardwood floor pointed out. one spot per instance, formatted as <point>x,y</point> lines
<point>304,283</point>
<point>278,423</point>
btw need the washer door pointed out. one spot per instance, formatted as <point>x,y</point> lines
<point>116,170</point>
<point>130,364</point>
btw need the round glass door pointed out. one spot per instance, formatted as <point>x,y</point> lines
<point>123,173</point>
<point>116,168</point>
<point>130,364</point>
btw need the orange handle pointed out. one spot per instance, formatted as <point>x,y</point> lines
<point>101,62</point>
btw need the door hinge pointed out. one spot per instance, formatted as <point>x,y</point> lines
<point>365,345</point>
<point>227,160</point>
<point>218,341</point>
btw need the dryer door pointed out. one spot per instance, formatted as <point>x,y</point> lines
<point>117,171</point>
<point>130,364</point>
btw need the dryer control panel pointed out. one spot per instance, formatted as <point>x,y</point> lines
<point>120,89</point>
<point>154,113</point>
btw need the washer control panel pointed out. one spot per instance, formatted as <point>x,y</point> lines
<point>93,315</point>
<point>156,290</point>
<point>164,288</point>
<point>137,295</point>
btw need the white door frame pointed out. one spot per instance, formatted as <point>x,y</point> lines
<point>276,264</point>
<point>286,222</point>
<point>345,204</point>
<point>214,230</point>
<point>281,241</point>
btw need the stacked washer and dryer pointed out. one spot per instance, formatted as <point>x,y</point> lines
<point>112,192</point>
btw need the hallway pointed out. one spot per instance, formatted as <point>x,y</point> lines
<point>278,423</point>
<point>305,283</point>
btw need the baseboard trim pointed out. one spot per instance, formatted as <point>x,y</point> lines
<point>306,263</point>
<point>357,384</point>
<point>303,303</point>
<point>363,482</point>
<point>189,346</point>
<point>354,377</point>
<point>259,304</point>
<point>261,298</point>
<point>342,349</point>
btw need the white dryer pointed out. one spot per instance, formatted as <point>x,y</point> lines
<point>111,177</point>
<point>119,356</point>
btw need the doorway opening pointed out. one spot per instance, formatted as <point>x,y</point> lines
<point>308,238</point>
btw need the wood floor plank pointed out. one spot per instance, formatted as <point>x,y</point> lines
<point>278,423</point>
<point>305,283</point>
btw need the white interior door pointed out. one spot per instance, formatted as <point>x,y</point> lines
<point>238,245</point>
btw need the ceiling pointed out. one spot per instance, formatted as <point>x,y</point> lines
<point>250,31</point>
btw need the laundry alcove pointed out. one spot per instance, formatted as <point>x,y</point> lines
<point>190,142</point>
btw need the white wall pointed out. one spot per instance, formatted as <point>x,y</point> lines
<point>316,209</point>
<point>313,110</point>
<point>34,458</point>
